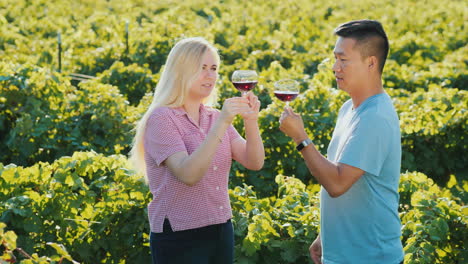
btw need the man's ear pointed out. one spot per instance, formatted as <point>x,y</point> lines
<point>373,63</point>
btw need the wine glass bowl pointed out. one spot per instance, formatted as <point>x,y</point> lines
<point>244,80</point>
<point>286,90</point>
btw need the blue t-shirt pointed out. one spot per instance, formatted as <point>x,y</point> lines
<point>362,225</point>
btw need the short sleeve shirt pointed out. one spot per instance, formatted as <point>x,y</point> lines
<point>171,130</point>
<point>362,225</point>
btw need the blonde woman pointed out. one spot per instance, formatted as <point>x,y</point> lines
<point>185,148</point>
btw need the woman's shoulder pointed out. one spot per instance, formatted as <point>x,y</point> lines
<point>161,111</point>
<point>159,114</point>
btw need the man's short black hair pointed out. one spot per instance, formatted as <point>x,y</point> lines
<point>371,39</point>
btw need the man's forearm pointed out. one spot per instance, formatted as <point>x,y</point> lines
<point>336,178</point>
<point>325,171</point>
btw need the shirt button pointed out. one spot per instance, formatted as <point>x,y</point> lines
<point>221,207</point>
<point>217,188</point>
<point>215,168</point>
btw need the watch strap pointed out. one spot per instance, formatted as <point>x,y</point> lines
<point>303,144</point>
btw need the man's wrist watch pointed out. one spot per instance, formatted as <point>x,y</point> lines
<point>303,144</point>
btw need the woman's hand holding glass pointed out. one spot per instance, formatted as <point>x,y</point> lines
<point>247,107</point>
<point>234,106</point>
<point>254,105</point>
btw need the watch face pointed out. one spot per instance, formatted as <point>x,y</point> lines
<point>300,146</point>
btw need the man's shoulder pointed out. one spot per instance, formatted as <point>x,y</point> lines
<point>348,103</point>
<point>347,106</point>
<point>375,116</point>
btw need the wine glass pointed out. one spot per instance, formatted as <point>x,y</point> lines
<point>244,80</point>
<point>286,90</point>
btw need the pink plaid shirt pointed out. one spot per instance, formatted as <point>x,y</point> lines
<point>168,131</point>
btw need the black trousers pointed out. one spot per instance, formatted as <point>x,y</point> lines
<point>206,245</point>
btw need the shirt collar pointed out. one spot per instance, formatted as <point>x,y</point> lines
<point>204,110</point>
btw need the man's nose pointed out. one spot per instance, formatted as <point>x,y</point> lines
<point>335,67</point>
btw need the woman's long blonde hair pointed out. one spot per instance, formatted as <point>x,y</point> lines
<point>182,68</point>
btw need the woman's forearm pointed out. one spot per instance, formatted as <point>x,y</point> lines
<point>193,167</point>
<point>255,153</point>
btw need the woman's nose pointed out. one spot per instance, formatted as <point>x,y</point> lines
<point>212,74</point>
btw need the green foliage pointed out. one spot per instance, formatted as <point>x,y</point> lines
<point>91,204</point>
<point>44,117</point>
<point>31,102</point>
<point>434,125</point>
<point>426,47</point>
<point>7,243</point>
<point>102,120</point>
<point>278,229</point>
<point>434,223</point>
<point>8,246</point>
<point>133,81</point>
<point>95,207</point>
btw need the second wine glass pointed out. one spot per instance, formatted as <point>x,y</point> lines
<point>286,90</point>
<point>244,80</point>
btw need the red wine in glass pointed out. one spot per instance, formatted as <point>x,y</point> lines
<point>286,96</point>
<point>245,86</point>
<point>286,90</point>
<point>244,80</point>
